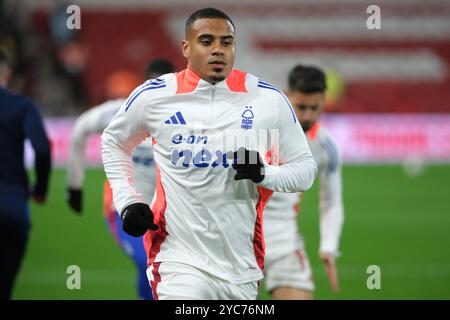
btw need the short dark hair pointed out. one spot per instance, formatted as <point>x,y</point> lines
<point>307,79</point>
<point>206,13</point>
<point>160,66</point>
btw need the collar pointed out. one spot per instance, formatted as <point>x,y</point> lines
<point>312,133</point>
<point>188,81</point>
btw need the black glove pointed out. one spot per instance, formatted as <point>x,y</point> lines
<point>74,198</point>
<point>37,195</point>
<point>137,218</point>
<point>248,165</point>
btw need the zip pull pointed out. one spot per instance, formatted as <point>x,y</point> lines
<point>213,94</point>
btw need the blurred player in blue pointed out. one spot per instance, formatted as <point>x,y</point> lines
<point>93,121</point>
<point>19,120</point>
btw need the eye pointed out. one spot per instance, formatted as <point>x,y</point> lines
<point>227,43</point>
<point>205,42</point>
<point>301,107</point>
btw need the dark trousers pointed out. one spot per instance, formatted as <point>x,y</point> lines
<point>13,239</point>
<point>14,228</point>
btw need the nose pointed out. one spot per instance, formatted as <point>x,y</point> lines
<point>217,49</point>
<point>307,115</point>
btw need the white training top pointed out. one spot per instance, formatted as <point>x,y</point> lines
<point>207,219</point>
<point>95,120</point>
<point>280,216</point>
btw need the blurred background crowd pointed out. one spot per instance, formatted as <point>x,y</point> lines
<point>403,67</point>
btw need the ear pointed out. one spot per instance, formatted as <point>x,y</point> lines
<point>185,49</point>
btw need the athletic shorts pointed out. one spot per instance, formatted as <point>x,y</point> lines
<point>292,270</point>
<point>179,281</point>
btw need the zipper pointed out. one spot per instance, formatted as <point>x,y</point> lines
<point>213,96</point>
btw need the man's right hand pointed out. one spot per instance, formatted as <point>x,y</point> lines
<point>137,218</point>
<point>74,198</point>
<point>39,199</point>
<point>38,195</point>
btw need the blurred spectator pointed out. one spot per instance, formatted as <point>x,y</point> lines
<point>59,31</point>
<point>70,52</point>
<point>11,43</point>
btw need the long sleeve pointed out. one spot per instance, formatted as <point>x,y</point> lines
<point>123,134</point>
<point>331,204</point>
<point>92,121</point>
<point>35,132</point>
<point>297,168</point>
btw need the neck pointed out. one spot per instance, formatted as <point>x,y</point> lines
<point>211,80</point>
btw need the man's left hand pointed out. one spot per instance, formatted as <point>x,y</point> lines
<point>329,263</point>
<point>248,165</point>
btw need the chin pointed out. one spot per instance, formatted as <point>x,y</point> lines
<point>217,76</point>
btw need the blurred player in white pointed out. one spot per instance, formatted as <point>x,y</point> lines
<point>287,270</point>
<point>95,120</point>
<point>203,232</point>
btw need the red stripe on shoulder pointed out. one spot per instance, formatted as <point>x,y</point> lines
<point>236,81</point>
<point>187,81</point>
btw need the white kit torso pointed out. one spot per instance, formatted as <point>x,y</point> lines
<point>280,216</point>
<point>207,219</point>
